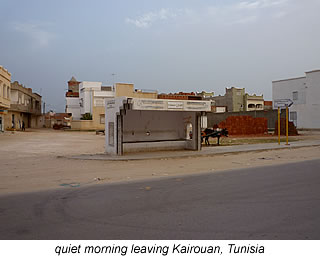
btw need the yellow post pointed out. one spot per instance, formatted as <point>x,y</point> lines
<point>279,125</point>
<point>287,123</point>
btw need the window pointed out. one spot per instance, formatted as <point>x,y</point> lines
<point>293,117</point>
<point>102,118</point>
<point>295,95</point>
<point>13,121</point>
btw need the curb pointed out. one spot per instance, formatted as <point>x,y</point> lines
<point>104,157</point>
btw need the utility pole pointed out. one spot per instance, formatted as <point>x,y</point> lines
<point>113,74</point>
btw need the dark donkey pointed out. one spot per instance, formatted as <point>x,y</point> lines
<point>213,133</point>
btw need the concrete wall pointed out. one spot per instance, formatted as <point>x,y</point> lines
<point>155,125</point>
<point>237,97</point>
<point>86,95</point>
<point>157,130</point>
<point>145,130</point>
<point>112,124</point>
<point>97,122</point>
<point>84,125</point>
<point>73,107</point>
<point>311,116</point>
<point>305,94</point>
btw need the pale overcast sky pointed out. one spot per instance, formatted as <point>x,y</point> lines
<point>166,45</point>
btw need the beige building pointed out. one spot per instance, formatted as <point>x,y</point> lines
<point>5,80</point>
<point>253,103</point>
<point>127,90</point>
<point>92,98</point>
<point>236,100</point>
<point>25,108</point>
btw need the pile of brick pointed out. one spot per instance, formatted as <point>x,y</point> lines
<point>292,130</point>
<point>245,125</point>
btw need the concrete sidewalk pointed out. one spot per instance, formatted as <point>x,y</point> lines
<point>206,151</point>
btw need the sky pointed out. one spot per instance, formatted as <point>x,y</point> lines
<point>164,45</point>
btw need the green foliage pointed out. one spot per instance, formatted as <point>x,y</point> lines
<point>86,116</point>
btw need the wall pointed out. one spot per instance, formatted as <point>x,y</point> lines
<point>86,95</point>
<point>97,112</point>
<point>306,101</point>
<point>30,121</point>
<point>155,125</point>
<point>5,79</point>
<point>127,90</point>
<point>73,106</point>
<point>84,125</point>
<point>237,97</point>
<point>123,89</point>
<point>157,130</point>
<point>311,117</point>
<point>112,111</point>
<point>94,124</point>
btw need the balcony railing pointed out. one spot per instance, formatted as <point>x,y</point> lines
<point>25,109</point>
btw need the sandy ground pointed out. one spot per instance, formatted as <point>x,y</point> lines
<point>33,161</point>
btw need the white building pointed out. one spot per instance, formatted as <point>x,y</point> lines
<point>73,105</point>
<point>305,94</point>
<point>72,99</point>
<point>93,94</point>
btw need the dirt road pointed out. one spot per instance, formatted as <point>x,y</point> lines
<point>33,161</point>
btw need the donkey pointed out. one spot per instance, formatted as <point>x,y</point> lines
<point>213,133</point>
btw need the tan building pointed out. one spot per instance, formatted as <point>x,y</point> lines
<point>253,103</point>
<point>5,80</point>
<point>25,108</point>
<point>236,100</point>
<point>127,90</point>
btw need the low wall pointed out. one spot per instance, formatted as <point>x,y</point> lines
<point>86,125</point>
<point>154,146</point>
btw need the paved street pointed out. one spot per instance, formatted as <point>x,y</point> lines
<point>271,202</point>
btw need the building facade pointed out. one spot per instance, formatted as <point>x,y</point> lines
<point>92,99</point>
<point>25,108</point>
<point>5,96</point>
<point>180,96</point>
<point>305,94</point>
<point>72,99</point>
<point>253,102</point>
<point>236,100</point>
